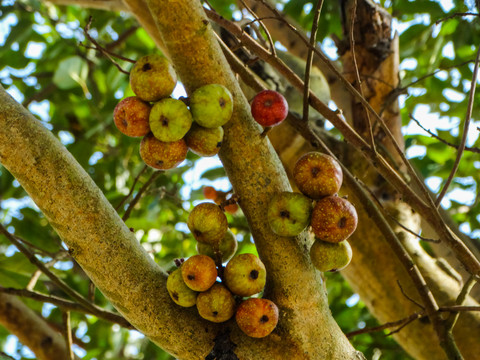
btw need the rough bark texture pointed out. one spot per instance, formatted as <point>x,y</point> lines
<point>31,329</point>
<point>256,174</point>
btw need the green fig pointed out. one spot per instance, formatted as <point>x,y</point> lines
<point>317,175</point>
<point>170,120</point>
<point>328,256</point>
<point>334,219</point>
<point>153,78</point>
<point>203,141</point>
<point>289,213</point>
<point>162,155</point>
<point>245,275</point>
<point>211,105</point>
<point>208,223</point>
<point>217,304</point>
<point>257,317</point>
<point>199,272</point>
<point>227,247</point>
<point>180,293</point>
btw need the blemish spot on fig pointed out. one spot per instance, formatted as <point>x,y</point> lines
<point>221,102</point>
<point>342,222</point>
<point>175,295</point>
<point>164,120</point>
<point>159,162</point>
<point>219,144</point>
<point>215,313</point>
<point>268,103</point>
<point>197,232</point>
<point>285,214</point>
<point>315,171</point>
<point>147,67</point>
<point>254,274</point>
<point>264,319</point>
<point>191,277</point>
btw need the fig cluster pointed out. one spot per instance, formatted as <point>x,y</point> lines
<point>332,218</point>
<point>168,127</point>
<point>196,281</point>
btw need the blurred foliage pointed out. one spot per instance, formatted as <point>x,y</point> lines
<point>47,64</point>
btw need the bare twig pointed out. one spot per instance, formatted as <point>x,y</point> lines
<point>467,287</point>
<point>139,194</point>
<point>132,188</point>
<point>387,325</point>
<point>68,333</point>
<point>456,15</point>
<point>308,65</point>
<point>466,125</point>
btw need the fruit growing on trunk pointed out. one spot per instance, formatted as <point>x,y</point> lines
<point>317,175</point>
<point>180,293</point>
<point>289,213</point>
<point>257,317</point>
<point>208,223</point>
<point>131,116</point>
<point>199,272</point>
<point>152,78</point>
<point>334,219</point>
<point>327,256</point>
<point>170,120</point>
<point>203,141</point>
<point>211,105</point>
<point>217,304</point>
<point>162,155</point>
<point>210,193</point>
<point>245,275</point>
<point>227,247</point>
<point>269,108</point>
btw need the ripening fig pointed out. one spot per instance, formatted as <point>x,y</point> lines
<point>208,223</point>
<point>257,317</point>
<point>269,108</point>
<point>199,272</point>
<point>334,219</point>
<point>162,155</point>
<point>332,257</point>
<point>170,120</point>
<point>217,304</point>
<point>131,116</point>
<point>317,175</point>
<point>227,247</point>
<point>180,293</point>
<point>245,275</point>
<point>153,78</point>
<point>204,141</point>
<point>210,193</point>
<point>289,213</point>
<point>211,105</point>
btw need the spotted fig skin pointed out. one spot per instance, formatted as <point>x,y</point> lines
<point>152,78</point>
<point>211,105</point>
<point>180,293</point>
<point>257,317</point>
<point>203,141</point>
<point>199,272</point>
<point>326,256</point>
<point>317,175</point>
<point>208,223</point>
<point>131,116</point>
<point>245,275</point>
<point>170,120</point>
<point>227,247</point>
<point>162,155</point>
<point>334,219</point>
<point>289,213</point>
<point>217,304</point>
<point>269,108</point>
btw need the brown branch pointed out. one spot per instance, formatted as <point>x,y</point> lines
<point>68,333</point>
<point>137,197</point>
<point>465,131</point>
<point>456,15</point>
<point>401,323</point>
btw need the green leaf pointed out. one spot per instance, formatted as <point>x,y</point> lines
<point>71,72</point>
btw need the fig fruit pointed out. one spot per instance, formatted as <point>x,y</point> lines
<point>257,317</point>
<point>289,213</point>
<point>203,141</point>
<point>227,247</point>
<point>245,275</point>
<point>208,223</point>
<point>162,155</point>
<point>180,293</point>
<point>199,272</point>
<point>269,108</point>
<point>332,257</point>
<point>131,116</point>
<point>217,304</point>
<point>170,120</point>
<point>211,105</point>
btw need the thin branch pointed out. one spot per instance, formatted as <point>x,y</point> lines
<point>385,326</point>
<point>467,287</point>
<point>139,194</point>
<point>408,297</point>
<point>132,188</point>
<point>465,131</point>
<point>69,305</point>
<point>456,15</point>
<point>308,65</point>
<point>357,75</point>
<point>467,148</point>
<point>68,333</point>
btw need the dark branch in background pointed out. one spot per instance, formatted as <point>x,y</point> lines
<point>357,75</point>
<point>467,287</point>
<point>132,188</point>
<point>121,39</point>
<point>69,305</point>
<point>467,148</point>
<point>456,15</point>
<point>401,323</point>
<point>308,64</point>
<point>139,194</point>
<point>465,131</point>
<point>103,50</point>
<point>68,333</point>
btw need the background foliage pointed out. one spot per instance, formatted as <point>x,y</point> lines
<point>46,64</point>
